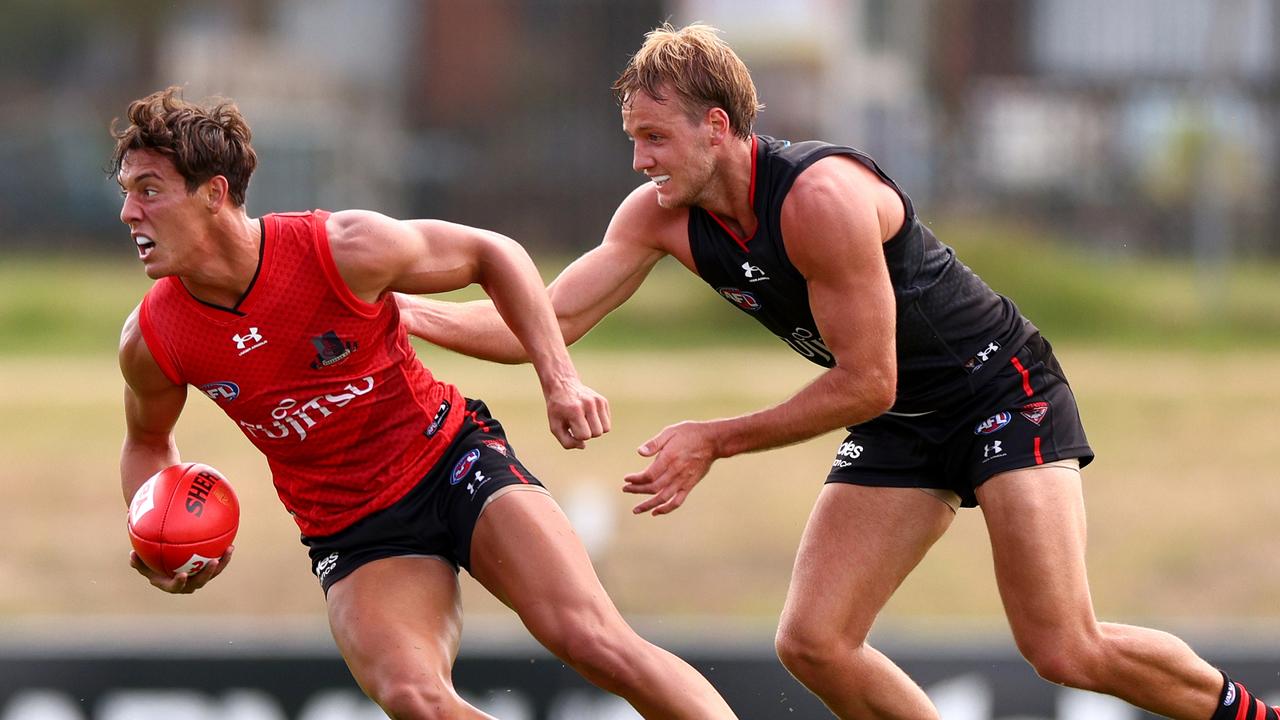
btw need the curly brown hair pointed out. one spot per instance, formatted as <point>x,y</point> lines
<point>699,67</point>
<point>202,140</point>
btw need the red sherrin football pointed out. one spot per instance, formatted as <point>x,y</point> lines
<point>183,517</point>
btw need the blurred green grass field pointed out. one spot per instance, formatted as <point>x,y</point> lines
<point>73,304</point>
<point>1181,405</point>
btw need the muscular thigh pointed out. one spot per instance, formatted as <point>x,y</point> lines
<point>1036,520</point>
<point>858,546</point>
<point>397,616</point>
<point>526,554</point>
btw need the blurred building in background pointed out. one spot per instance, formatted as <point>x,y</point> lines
<point>1140,126</point>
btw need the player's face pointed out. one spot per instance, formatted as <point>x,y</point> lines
<point>162,216</point>
<point>669,148</point>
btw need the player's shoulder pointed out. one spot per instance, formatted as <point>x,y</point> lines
<point>834,186</point>
<point>137,363</point>
<point>836,173</point>
<point>364,239</point>
<point>354,224</point>
<point>131,331</point>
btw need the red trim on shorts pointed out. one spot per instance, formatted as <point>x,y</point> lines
<point>1039,457</point>
<point>471,414</point>
<point>1243,708</point>
<point>1026,376</point>
<point>516,472</point>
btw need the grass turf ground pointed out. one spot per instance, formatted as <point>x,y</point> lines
<point>1180,403</point>
<point>1182,500</point>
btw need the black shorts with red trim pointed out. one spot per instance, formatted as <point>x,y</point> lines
<point>1026,415</point>
<point>436,517</point>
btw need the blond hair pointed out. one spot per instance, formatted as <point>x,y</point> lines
<point>699,68</point>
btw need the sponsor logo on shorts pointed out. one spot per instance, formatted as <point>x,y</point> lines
<point>992,450</point>
<point>741,298</point>
<point>476,483</point>
<point>848,449</point>
<point>442,412</point>
<point>464,466</point>
<point>497,446</point>
<point>980,358</point>
<point>221,390</point>
<point>326,566</point>
<point>851,450</point>
<point>1035,412</point>
<point>993,424</point>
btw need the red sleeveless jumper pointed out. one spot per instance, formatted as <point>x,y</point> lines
<point>326,385</point>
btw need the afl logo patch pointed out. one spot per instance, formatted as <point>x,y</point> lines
<point>741,298</point>
<point>993,423</point>
<point>464,466</point>
<point>224,390</point>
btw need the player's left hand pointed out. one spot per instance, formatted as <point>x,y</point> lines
<point>682,455</point>
<point>576,413</point>
<point>182,583</point>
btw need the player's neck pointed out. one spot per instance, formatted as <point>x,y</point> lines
<point>234,245</point>
<point>729,194</point>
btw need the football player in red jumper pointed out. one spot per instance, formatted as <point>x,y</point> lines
<point>289,324</point>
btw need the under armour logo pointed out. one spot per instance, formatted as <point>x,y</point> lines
<point>474,485</point>
<point>985,354</point>
<point>248,341</point>
<point>991,450</point>
<point>751,271</point>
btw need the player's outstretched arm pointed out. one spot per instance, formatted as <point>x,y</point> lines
<point>152,404</point>
<point>834,223</point>
<point>582,295</point>
<point>376,254</point>
<point>472,328</point>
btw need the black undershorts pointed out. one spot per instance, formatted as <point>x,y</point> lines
<point>437,516</point>
<point>1024,416</point>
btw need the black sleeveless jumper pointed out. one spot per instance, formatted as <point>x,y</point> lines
<point>952,329</point>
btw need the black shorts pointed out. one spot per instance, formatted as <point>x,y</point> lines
<point>439,514</point>
<point>1024,416</point>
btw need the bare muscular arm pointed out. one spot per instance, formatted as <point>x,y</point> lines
<point>152,404</point>
<point>582,295</point>
<point>835,220</point>
<point>376,254</point>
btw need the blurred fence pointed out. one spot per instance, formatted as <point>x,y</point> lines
<point>1145,126</point>
<point>965,682</point>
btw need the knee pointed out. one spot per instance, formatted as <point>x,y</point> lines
<point>1064,659</point>
<point>604,655</point>
<point>403,699</point>
<point>806,647</point>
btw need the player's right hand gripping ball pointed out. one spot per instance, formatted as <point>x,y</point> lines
<point>183,517</point>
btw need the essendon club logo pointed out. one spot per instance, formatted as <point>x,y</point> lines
<point>331,350</point>
<point>1035,412</point>
<point>741,298</point>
